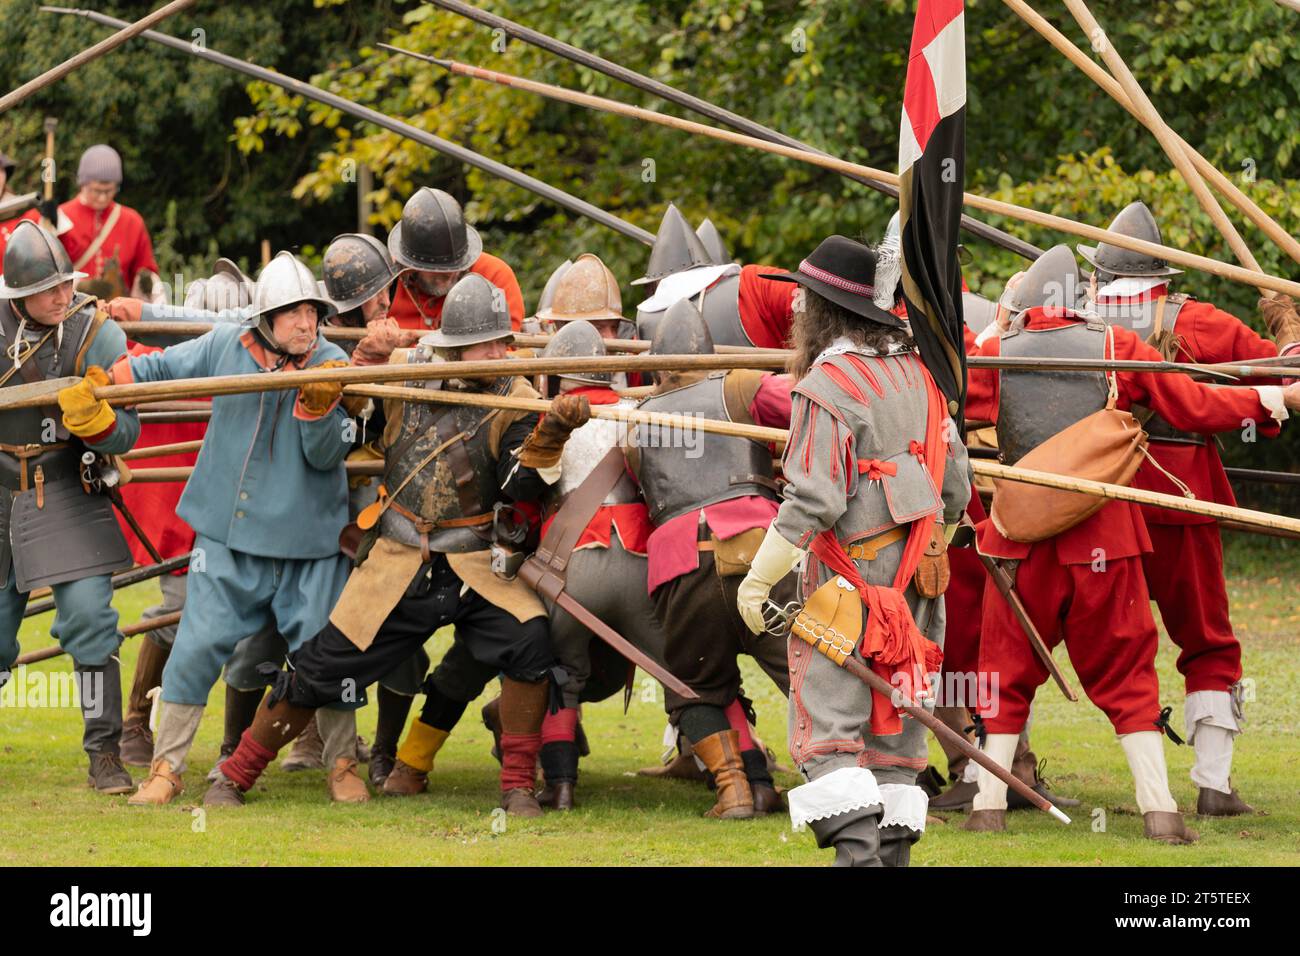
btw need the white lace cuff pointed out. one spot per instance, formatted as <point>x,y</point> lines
<point>842,790</point>
<point>905,806</point>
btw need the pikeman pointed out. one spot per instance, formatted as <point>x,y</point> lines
<point>1083,583</point>
<point>358,273</point>
<point>435,247</point>
<point>1184,569</point>
<point>257,562</point>
<point>58,528</point>
<point>444,518</point>
<point>710,498</point>
<point>877,481</point>
<point>226,295</point>
<point>741,305</point>
<point>605,571</point>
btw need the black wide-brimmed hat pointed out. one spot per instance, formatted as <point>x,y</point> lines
<point>844,272</point>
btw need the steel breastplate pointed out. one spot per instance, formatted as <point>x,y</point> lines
<point>56,358</point>
<point>461,480</point>
<point>720,306</point>
<point>1034,406</point>
<point>680,471</point>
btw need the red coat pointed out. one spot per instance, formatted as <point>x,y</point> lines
<point>1117,528</point>
<point>1206,334</point>
<point>7,229</point>
<point>766,307</point>
<point>129,241</point>
<point>414,310</point>
<point>153,504</point>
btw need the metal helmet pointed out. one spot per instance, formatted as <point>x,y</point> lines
<point>433,236</point>
<point>682,331</point>
<point>474,311</point>
<point>356,268</point>
<point>285,281</point>
<point>226,288</point>
<point>712,240</point>
<point>34,261</point>
<point>676,249</point>
<point>1136,221</point>
<point>548,290</point>
<point>587,290</point>
<point>1053,280</point>
<point>578,339</point>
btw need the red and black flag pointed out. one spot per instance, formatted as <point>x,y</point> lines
<point>932,173</point>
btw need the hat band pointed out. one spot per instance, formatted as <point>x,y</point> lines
<point>848,285</point>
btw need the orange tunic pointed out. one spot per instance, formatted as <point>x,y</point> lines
<point>414,310</point>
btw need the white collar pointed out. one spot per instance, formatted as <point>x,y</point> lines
<point>1130,285</point>
<point>685,284</point>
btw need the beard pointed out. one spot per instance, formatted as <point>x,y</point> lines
<point>435,287</point>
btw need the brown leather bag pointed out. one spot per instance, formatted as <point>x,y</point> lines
<point>1109,445</point>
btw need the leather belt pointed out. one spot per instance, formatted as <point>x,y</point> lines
<point>423,525</point>
<point>26,452</point>
<point>868,549</point>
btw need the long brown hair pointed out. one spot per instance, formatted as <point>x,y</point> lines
<point>818,322</point>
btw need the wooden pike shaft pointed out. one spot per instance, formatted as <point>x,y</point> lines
<point>137,330</point>
<point>1034,217</point>
<point>183,472</point>
<point>1212,174</point>
<point>173,329</point>
<point>35,395</point>
<point>1174,147</point>
<point>85,56</point>
<point>1100,489</point>
<point>139,627</point>
<point>158,451</point>
<point>603,412</point>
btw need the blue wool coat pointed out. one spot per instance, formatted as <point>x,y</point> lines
<point>266,483</point>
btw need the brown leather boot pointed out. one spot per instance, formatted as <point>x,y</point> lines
<point>957,798</point>
<point>1027,768</point>
<point>1216,803</point>
<point>520,803</point>
<point>986,821</point>
<point>721,755</point>
<point>136,747</point>
<point>308,751</point>
<point>1167,827</point>
<point>405,781</point>
<point>345,784</point>
<point>223,793</point>
<point>557,796</point>
<point>160,788</point>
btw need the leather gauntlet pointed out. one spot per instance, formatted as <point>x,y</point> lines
<point>545,445</point>
<point>1280,316</point>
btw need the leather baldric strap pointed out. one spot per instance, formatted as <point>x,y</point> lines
<point>100,237</point>
<point>868,549</point>
<point>577,511</point>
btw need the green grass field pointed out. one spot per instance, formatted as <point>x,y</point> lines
<point>49,817</point>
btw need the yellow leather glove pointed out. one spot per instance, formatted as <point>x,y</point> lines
<point>319,397</point>
<point>83,414</point>
<point>775,558</point>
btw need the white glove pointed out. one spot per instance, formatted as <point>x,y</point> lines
<point>774,560</point>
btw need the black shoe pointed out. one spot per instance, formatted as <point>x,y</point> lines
<point>381,765</point>
<point>107,775</point>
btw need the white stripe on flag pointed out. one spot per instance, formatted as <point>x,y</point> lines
<point>909,150</point>
<point>946,55</point>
